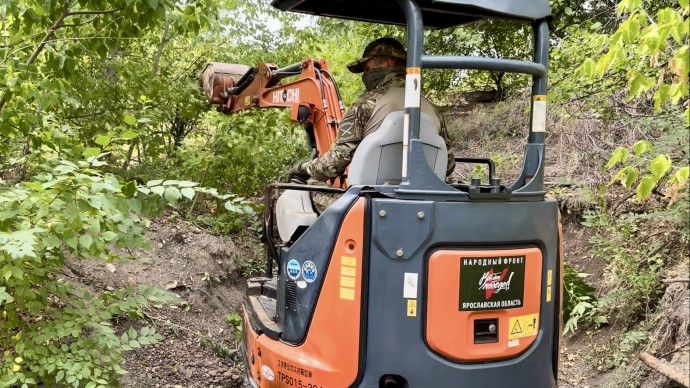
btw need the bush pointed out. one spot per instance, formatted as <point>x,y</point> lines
<point>54,332</point>
<point>255,150</point>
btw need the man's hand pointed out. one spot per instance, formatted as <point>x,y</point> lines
<point>299,172</point>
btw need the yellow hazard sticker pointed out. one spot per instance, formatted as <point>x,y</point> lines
<point>347,293</point>
<point>549,277</point>
<point>539,97</point>
<point>523,326</point>
<point>412,307</point>
<point>347,281</point>
<point>348,260</point>
<point>348,271</point>
<point>548,294</point>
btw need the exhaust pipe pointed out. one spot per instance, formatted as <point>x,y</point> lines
<point>392,381</point>
<point>389,382</point>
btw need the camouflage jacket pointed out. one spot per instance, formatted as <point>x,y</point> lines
<point>357,124</point>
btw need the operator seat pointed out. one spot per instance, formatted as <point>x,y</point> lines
<point>377,161</point>
<point>378,158</point>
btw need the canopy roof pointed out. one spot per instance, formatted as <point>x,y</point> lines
<point>436,13</point>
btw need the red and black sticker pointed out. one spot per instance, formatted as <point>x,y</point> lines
<point>492,283</point>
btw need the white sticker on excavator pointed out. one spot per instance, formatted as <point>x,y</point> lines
<point>267,372</point>
<point>539,114</point>
<point>406,143</point>
<point>413,90</point>
<point>410,285</point>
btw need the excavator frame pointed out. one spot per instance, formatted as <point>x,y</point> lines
<point>423,283</point>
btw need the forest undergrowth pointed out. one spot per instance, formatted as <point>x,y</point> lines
<point>103,127</point>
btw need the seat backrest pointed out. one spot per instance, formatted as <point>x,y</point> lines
<point>378,158</point>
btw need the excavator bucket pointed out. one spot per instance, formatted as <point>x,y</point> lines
<point>217,77</point>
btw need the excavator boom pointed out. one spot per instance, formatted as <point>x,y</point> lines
<point>306,88</point>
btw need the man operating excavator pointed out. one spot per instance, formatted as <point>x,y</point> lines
<point>383,72</point>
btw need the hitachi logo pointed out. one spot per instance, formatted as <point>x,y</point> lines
<point>287,95</point>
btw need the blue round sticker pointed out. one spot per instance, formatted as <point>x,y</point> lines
<point>309,271</point>
<point>293,269</point>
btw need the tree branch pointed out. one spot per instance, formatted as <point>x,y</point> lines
<point>51,31</point>
<point>159,52</point>
<point>664,368</point>
<point>93,12</point>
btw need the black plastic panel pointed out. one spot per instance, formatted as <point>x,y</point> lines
<point>296,304</point>
<point>456,224</point>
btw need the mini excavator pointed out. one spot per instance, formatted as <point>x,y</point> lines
<point>406,280</point>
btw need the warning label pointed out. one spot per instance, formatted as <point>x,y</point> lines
<point>523,326</point>
<point>412,307</point>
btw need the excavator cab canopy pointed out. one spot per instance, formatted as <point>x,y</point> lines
<point>436,13</point>
<point>417,14</point>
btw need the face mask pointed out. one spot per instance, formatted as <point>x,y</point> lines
<point>371,78</point>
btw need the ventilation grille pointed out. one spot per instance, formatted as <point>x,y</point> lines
<point>291,295</point>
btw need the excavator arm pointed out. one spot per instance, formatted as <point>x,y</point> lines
<point>306,88</point>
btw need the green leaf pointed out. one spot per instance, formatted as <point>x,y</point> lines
<point>676,92</point>
<point>644,189</point>
<point>154,182</point>
<point>132,333</point>
<point>631,177</point>
<point>186,184</point>
<point>638,83</point>
<point>641,146</point>
<point>60,375</point>
<point>71,241</point>
<point>86,240</point>
<point>660,96</point>
<point>188,192</point>
<point>130,135</point>
<point>130,120</point>
<point>660,165</point>
<point>5,297</point>
<point>129,188</point>
<point>620,154</point>
<point>103,140</point>
<point>158,190</point>
<point>153,3</point>
<point>91,151</point>
<point>172,194</point>
<point>109,236</point>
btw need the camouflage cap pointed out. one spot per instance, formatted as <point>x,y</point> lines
<point>382,47</point>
